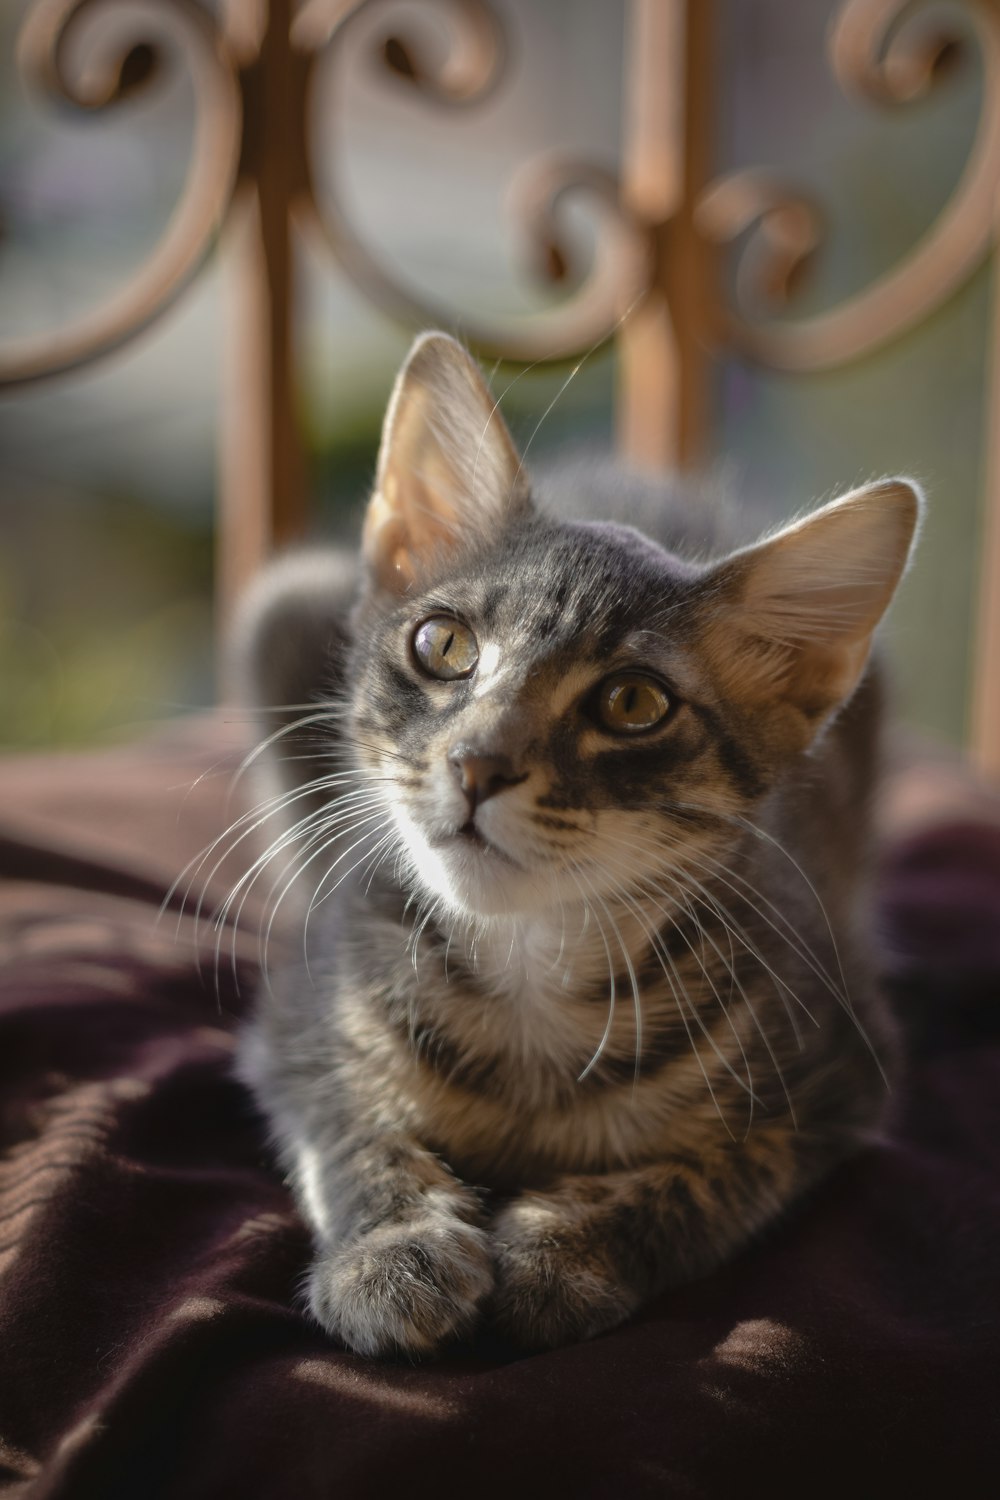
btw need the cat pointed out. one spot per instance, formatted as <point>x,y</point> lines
<point>587,995</point>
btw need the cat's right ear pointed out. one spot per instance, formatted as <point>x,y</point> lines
<point>448,472</point>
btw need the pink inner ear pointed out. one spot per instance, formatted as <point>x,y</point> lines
<point>790,687</point>
<point>447,467</point>
<point>821,678</point>
<point>406,528</point>
<point>802,608</point>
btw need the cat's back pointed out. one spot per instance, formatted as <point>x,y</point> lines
<point>691,517</point>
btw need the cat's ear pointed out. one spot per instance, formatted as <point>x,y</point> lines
<point>799,609</point>
<point>448,472</point>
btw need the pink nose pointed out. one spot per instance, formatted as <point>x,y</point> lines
<point>481,775</point>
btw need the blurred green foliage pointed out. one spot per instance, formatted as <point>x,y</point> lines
<point>105,620</point>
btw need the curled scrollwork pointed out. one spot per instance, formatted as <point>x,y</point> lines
<point>65,53</point>
<point>882,50</point>
<point>887,50</point>
<point>878,52</point>
<point>472,66</point>
<point>784,231</point>
<point>597,297</point>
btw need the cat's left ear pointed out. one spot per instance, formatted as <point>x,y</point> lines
<point>793,617</point>
<point>448,472</point>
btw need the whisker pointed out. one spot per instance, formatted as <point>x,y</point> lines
<point>732,928</point>
<point>254,818</point>
<point>577,876</point>
<point>682,999</point>
<point>315,717</point>
<point>301,836</point>
<point>574,372</point>
<point>672,871</point>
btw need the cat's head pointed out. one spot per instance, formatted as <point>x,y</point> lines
<point>558,711</point>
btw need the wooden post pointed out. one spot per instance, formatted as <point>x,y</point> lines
<point>663,363</point>
<point>261,465</point>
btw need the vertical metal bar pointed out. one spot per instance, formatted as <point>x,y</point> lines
<point>985,726</point>
<point>244,521</point>
<point>663,363</point>
<point>261,467</point>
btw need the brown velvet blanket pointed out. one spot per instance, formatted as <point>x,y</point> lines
<point>150,1341</point>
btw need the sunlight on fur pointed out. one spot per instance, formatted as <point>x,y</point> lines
<point>571,821</point>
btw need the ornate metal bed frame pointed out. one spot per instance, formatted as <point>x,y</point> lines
<point>659,259</point>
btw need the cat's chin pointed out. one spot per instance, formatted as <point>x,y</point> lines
<point>472,877</point>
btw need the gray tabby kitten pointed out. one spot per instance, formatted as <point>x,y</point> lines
<point>589,994</point>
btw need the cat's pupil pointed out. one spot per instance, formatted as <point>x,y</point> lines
<point>631,702</point>
<point>444,648</point>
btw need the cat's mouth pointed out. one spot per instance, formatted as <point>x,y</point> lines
<point>472,836</point>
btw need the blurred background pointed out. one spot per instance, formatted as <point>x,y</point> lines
<point>108,476</point>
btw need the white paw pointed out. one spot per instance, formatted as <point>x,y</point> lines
<point>403,1288</point>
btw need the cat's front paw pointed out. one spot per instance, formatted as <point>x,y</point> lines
<point>403,1288</point>
<point>556,1282</point>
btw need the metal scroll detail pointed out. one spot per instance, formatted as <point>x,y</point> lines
<point>879,50</point>
<point>65,53</point>
<point>597,296</point>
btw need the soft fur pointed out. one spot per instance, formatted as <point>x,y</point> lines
<point>582,1008</point>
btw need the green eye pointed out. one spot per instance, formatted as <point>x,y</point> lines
<point>630,702</point>
<point>445,648</point>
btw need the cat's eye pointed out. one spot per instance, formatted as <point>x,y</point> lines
<point>445,648</point>
<point>630,702</point>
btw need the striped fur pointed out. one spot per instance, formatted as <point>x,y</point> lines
<point>555,1047</point>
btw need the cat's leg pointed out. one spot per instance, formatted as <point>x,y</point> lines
<point>582,1255</point>
<point>403,1263</point>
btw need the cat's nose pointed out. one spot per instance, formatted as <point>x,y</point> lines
<point>481,775</point>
